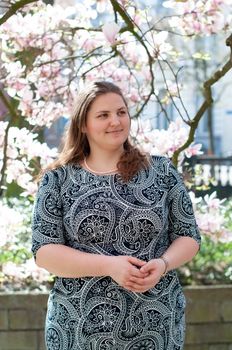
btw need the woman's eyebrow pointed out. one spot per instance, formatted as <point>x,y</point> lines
<point>107,111</point>
<point>103,111</point>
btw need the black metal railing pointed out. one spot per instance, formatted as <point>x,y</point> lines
<point>215,174</point>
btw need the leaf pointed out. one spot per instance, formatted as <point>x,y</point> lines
<point>201,56</point>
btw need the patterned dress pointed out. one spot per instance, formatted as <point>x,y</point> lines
<point>102,215</point>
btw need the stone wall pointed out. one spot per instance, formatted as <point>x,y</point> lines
<point>22,321</point>
<point>209,318</point>
<point>208,315</point>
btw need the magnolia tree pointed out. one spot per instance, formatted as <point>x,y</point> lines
<point>49,52</point>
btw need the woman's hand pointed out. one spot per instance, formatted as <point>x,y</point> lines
<point>153,271</point>
<point>124,269</point>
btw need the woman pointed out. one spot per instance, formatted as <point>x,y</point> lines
<point>112,224</point>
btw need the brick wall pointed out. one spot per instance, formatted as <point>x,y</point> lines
<point>208,315</point>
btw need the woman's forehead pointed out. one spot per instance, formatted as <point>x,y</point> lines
<point>107,102</point>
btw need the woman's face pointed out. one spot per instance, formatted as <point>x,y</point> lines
<point>107,123</point>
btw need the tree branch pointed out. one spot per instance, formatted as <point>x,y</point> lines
<point>14,8</point>
<point>207,92</point>
<point>12,113</point>
<point>8,104</point>
<point>4,158</point>
<point>130,25</point>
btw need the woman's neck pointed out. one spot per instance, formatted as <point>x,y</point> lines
<point>103,161</point>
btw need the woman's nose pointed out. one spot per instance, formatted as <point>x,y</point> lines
<point>115,120</point>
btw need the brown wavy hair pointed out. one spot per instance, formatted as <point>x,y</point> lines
<point>75,145</point>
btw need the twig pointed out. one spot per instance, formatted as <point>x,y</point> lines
<point>99,64</point>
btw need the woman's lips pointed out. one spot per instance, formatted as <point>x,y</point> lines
<point>114,131</point>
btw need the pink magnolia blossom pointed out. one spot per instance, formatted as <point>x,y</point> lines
<point>30,269</point>
<point>209,224</point>
<point>10,221</point>
<point>3,126</point>
<point>213,202</point>
<point>195,200</point>
<point>134,95</point>
<point>15,169</point>
<point>225,235</point>
<point>90,44</point>
<point>123,2</point>
<point>110,30</point>
<point>13,270</point>
<point>199,17</point>
<point>161,46</point>
<point>146,74</point>
<point>26,94</point>
<point>193,150</point>
<point>22,148</point>
<point>31,189</point>
<point>121,74</point>
<point>101,6</point>
<point>45,113</point>
<point>132,53</point>
<point>209,212</point>
<point>165,142</point>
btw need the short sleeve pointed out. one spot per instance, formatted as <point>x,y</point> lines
<point>182,222</point>
<point>47,220</point>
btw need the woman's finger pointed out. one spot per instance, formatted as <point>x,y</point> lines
<point>137,273</point>
<point>136,261</point>
<point>138,281</point>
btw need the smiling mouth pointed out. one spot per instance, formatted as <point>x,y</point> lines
<point>114,131</point>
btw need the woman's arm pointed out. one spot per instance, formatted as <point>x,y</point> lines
<point>67,262</point>
<point>181,251</point>
<point>64,261</point>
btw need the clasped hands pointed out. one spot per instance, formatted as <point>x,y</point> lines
<point>134,274</point>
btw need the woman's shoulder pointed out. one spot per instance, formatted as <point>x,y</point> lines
<point>160,163</point>
<point>57,174</point>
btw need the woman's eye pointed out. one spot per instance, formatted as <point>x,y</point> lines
<point>104,115</point>
<point>122,112</point>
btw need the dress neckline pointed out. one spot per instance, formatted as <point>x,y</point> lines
<point>79,166</point>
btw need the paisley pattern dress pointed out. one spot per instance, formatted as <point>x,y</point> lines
<point>102,215</point>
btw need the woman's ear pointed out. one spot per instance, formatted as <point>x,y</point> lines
<point>83,129</point>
